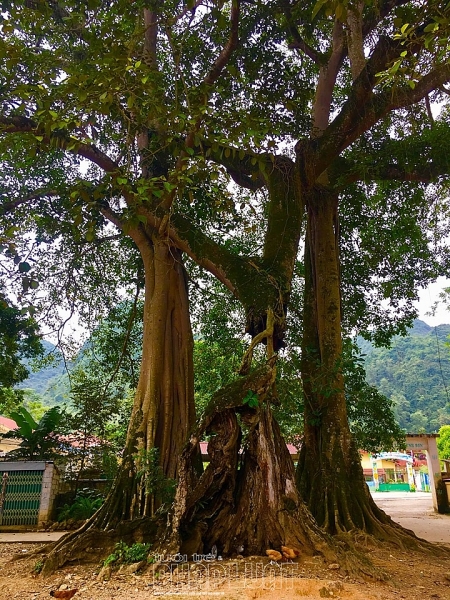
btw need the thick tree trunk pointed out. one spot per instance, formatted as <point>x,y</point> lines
<point>329,472</point>
<point>163,410</point>
<point>246,501</point>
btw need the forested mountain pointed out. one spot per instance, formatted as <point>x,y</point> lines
<point>415,373</point>
<point>51,381</point>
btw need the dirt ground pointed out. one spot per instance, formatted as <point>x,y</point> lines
<point>411,575</point>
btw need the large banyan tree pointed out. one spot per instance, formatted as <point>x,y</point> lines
<point>167,100</point>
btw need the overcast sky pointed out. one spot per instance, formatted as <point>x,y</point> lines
<point>428,297</point>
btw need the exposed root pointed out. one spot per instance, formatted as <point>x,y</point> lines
<point>79,544</point>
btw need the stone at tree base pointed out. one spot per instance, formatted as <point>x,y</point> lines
<point>105,573</point>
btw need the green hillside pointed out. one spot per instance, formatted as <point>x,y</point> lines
<point>415,373</point>
<point>51,381</point>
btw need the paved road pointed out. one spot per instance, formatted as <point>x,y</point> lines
<point>35,537</point>
<point>415,511</point>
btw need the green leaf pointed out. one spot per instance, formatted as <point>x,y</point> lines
<point>395,67</point>
<point>317,7</point>
<point>24,267</point>
<point>431,27</point>
<point>251,399</point>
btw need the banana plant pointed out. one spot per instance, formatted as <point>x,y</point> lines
<point>39,440</point>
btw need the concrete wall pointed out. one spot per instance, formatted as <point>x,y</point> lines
<point>50,488</point>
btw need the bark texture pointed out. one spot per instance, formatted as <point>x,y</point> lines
<point>163,410</point>
<point>329,473</point>
<point>246,501</point>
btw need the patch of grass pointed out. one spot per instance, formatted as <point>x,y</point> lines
<point>38,566</point>
<point>124,554</point>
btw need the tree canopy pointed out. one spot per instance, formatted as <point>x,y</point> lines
<point>18,339</point>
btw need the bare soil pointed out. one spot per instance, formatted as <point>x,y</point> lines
<point>411,575</point>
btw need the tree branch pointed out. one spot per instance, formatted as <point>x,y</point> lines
<point>343,174</point>
<point>421,158</point>
<point>13,204</point>
<point>298,42</point>
<point>364,108</point>
<point>247,169</point>
<point>231,45</point>
<point>327,80</point>
<point>379,12</point>
<point>184,12</point>
<point>355,38</point>
<point>18,124</point>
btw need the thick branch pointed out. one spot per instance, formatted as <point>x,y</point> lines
<point>17,124</point>
<point>150,37</point>
<point>246,168</point>
<point>284,219</point>
<point>364,108</point>
<point>406,96</point>
<point>327,81</point>
<point>342,173</point>
<point>355,38</point>
<point>231,45</point>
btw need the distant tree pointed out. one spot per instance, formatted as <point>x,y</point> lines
<point>443,442</point>
<point>414,372</point>
<point>418,422</point>
<point>33,403</point>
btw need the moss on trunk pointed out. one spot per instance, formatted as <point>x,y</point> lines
<point>329,473</point>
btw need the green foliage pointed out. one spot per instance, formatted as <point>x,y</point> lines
<point>10,399</point>
<point>214,367</point>
<point>48,376</point>
<point>78,77</point>
<point>443,442</point>
<point>152,476</point>
<point>414,373</point>
<point>251,399</point>
<point>124,554</point>
<point>39,440</point>
<point>370,413</point>
<point>38,565</point>
<point>97,409</point>
<point>85,504</point>
<point>18,339</point>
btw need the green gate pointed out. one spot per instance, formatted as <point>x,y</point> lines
<point>20,495</point>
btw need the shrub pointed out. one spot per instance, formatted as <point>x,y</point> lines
<point>124,554</point>
<point>86,503</point>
